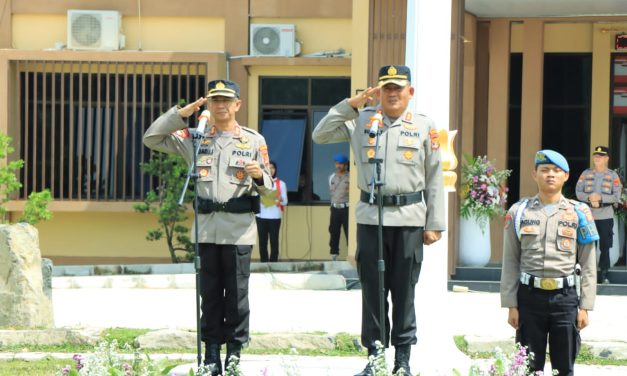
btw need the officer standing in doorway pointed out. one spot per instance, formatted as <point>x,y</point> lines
<point>339,184</point>
<point>548,280</point>
<point>413,199</point>
<point>232,165</point>
<point>601,188</point>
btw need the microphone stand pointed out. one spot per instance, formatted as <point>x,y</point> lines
<point>193,174</point>
<point>378,183</point>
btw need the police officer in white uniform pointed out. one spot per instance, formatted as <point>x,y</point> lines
<point>232,165</point>
<point>413,199</point>
<point>600,187</point>
<point>545,238</point>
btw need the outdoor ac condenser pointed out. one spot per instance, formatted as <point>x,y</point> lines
<point>273,40</point>
<point>94,30</point>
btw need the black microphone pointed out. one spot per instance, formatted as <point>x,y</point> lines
<point>374,124</point>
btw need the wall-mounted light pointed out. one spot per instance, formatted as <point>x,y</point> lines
<point>621,41</point>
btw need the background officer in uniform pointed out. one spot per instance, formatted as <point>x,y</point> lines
<point>413,198</point>
<point>601,188</point>
<point>233,167</point>
<point>544,238</point>
<point>339,184</point>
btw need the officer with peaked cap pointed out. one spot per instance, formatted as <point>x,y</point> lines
<point>339,184</point>
<point>233,167</point>
<point>547,240</point>
<point>413,210</point>
<point>601,188</point>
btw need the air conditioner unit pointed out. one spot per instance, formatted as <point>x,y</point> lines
<point>94,30</point>
<point>273,40</point>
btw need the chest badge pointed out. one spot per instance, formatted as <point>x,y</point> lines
<point>370,153</point>
<point>408,155</point>
<point>240,175</point>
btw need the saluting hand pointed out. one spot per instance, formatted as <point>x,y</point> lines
<point>364,97</point>
<point>188,110</point>
<point>431,237</point>
<point>253,169</point>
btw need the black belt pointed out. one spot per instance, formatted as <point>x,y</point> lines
<point>244,204</point>
<point>394,200</point>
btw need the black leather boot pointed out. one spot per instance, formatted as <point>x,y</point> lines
<point>212,359</point>
<point>368,369</point>
<point>401,359</point>
<point>232,349</point>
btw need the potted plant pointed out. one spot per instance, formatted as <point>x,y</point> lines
<point>483,197</point>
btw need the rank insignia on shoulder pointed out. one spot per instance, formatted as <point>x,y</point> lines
<point>183,133</point>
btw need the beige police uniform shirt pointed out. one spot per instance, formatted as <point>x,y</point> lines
<point>411,152</point>
<point>607,184</point>
<point>339,187</point>
<point>547,247</point>
<point>220,166</point>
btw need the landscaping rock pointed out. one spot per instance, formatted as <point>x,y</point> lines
<point>610,350</point>
<point>167,338</point>
<point>49,337</point>
<point>289,340</point>
<point>22,298</point>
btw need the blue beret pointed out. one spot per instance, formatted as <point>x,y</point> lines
<point>553,157</point>
<point>341,158</point>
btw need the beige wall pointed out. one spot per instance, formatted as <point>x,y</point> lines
<point>88,234</point>
<point>203,33</point>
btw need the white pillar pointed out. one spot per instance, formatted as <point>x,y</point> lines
<point>428,53</point>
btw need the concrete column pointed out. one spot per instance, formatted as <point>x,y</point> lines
<point>428,53</point>
<point>531,102</point>
<point>601,59</point>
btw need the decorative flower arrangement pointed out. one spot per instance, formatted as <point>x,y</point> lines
<point>483,191</point>
<point>514,364</point>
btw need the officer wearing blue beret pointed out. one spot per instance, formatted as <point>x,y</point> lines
<point>412,196</point>
<point>548,280</point>
<point>233,169</point>
<point>339,184</point>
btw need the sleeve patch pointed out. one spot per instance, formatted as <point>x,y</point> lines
<point>183,133</point>
<point>616,182</point>
<point>435,139</point>
<point>263,150</point>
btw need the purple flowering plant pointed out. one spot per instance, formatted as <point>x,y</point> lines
<point>513,364</point>
<point>483,192</point>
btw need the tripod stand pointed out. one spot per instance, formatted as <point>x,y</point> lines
<point>377,183</point>
<point>192,174</point>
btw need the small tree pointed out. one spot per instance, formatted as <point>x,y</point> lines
<point>36,208</point>
<point>169,171</point>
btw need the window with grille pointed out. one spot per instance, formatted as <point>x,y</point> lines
<point>81,124</point>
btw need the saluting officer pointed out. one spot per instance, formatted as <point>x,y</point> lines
<point>232,165</point>
<point>413,199</point>
<point>601,188</point>
<point>545,237</point>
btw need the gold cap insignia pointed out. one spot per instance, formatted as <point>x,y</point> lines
<point>220,85</point>
<point>540,157</point>
<point>599,149</point>
<point>392,71</point>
